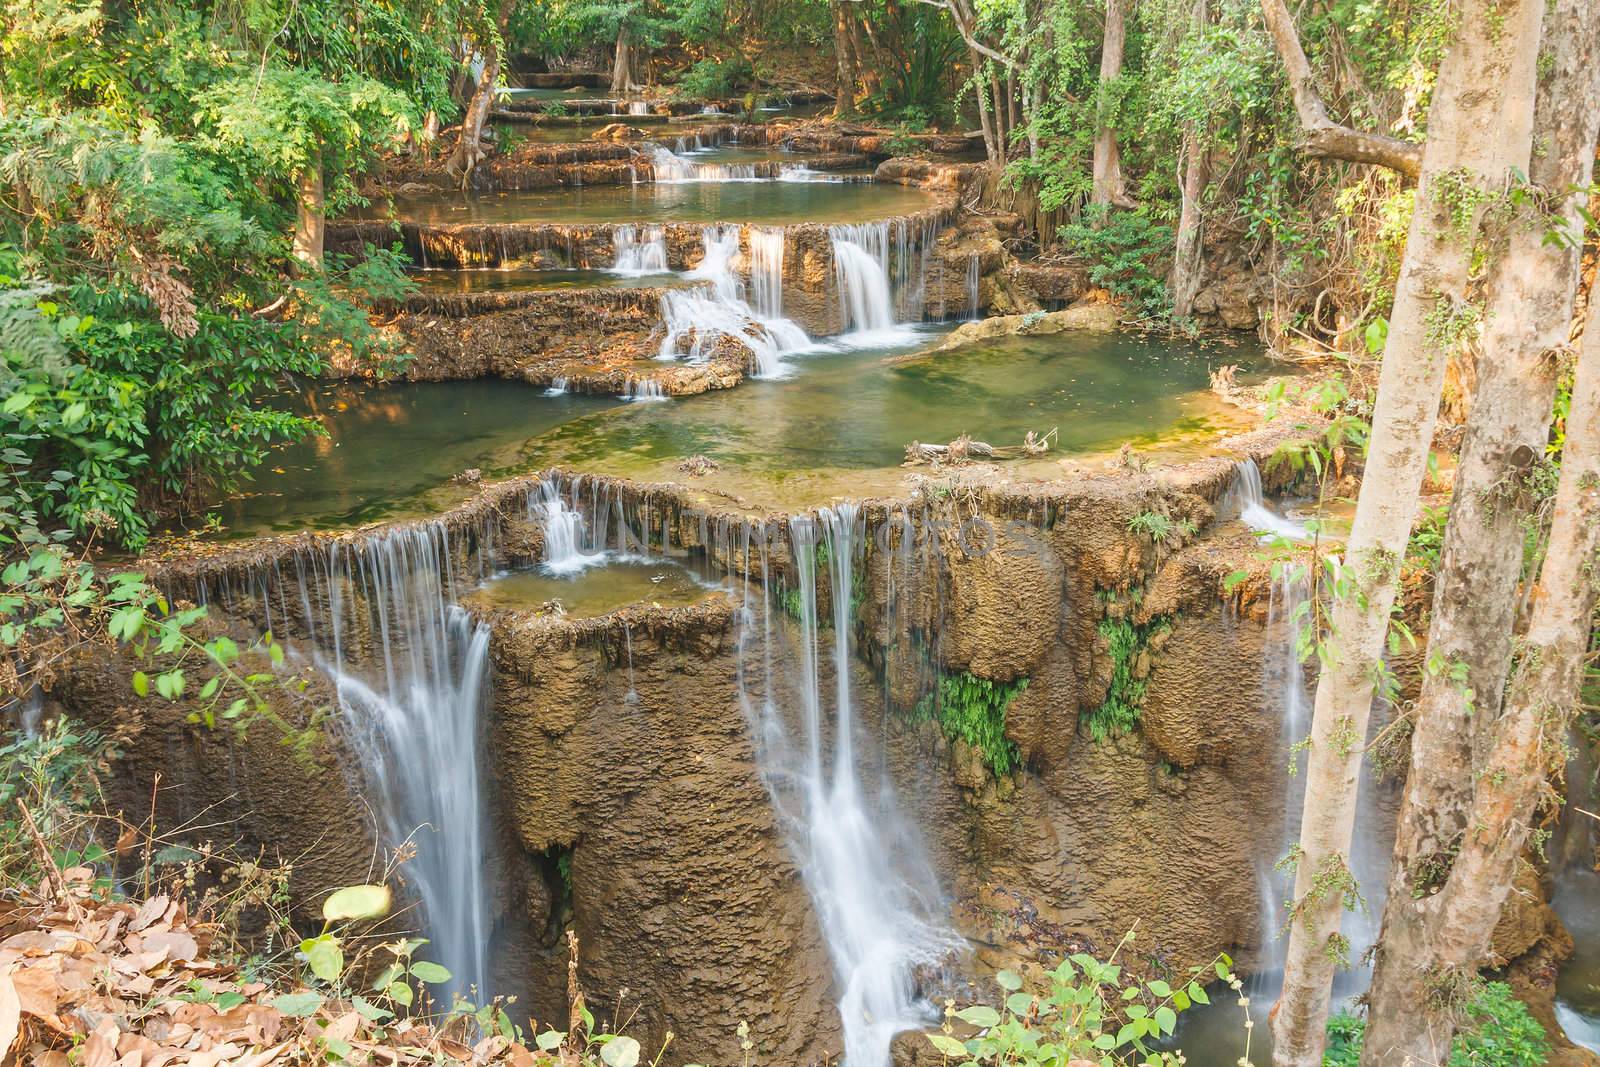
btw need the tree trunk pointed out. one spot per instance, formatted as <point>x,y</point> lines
<point>1486,81</point>
<point>1187,267</point>
<point>469,150</point>
<point>1108,187</point>
<point>844,83</point>
<point>622,79</point>
<point>991,146</point>
<point>1531,288</point>
<point>310,216</point>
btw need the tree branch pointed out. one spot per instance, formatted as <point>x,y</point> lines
<point>1322,136</point>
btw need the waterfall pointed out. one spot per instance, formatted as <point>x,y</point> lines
<point>636,254</point>
<point>638,389</point>
<point>877,902</point>
<point>672,168</point>
<point>1246,500</point>
<point>567,545</point>
<point>638,107</point>
<point>861,260</point>
<point>972,287</point>
<point>413,715</point>
<point>766,270</point>
<point>558,386</point>
<point>696,319</point>
<point>1284,678</point>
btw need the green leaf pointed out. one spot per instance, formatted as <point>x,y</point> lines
<point>948,1046</point>
<point>359,902</point>
<point>1166,1018</point>
<point>979,1015</point>
<point>324,957</point>
<point>370,1011</point>
<point>432,973</point>
<point>1197,993</point>
<point>401,994</point>
<point>1019,1003</point>
<point>141,683</point>
<point>1010,981</point>
<point>1159,988</point>
<point>298,1005</point>
<point>620,1052</point>
<point>230,1000</point>
<point>550,1040</point>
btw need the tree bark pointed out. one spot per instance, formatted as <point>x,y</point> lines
<point>1187,265</point>
<point>1108,187</point>
<point>622,79</point>
<point>310,216</point>
<point>469,149</point>
<point>844,91</point>
<point>1531,289</point>
<point>1322,136</point>
<point>1486,81</point>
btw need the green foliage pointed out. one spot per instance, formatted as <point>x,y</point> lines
<point>1125,643</point>
<point>916,90</point>
<point>1125,251</point>
<point>973,709</point>
<point>1496,1031</point>
<point>712,79</point>
<point>1091,1011</point>
<point>55,775</point>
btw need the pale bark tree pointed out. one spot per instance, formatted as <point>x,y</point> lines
<point>1486,81</point>
<point>623,63</point>
<point>1531,288</point>
<point>1108,187</point>
<point>844,57</point>
<point>310,216</point>
<point>469,150</point>
<point>1320,135</point>
<point>1187,265</point>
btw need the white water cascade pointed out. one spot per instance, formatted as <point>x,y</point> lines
<point>877,901</point>
<point>1247,500</point>
<point>1284,676</point>
<point>766,270</point>
<point>567,547</point>
<point>862,255</point>
<point>413,715</point>
<point>672,168</point>
<point>642,389</point>
<point>695,319</point>
<point>637,253</point>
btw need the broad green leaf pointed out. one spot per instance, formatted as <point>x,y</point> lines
<point>1166,1018</point>
<point>141,683</point>
<point>401,994</point>
<point>979,1015</point>
<point>298,1005</point>
<point>1010,981</point>
<point>1019,1003</point>
<point>432,973</point>
<point>620,1052</point>
<point>550,1040</point>
<point>357,902</point>
<point>370,1011</point>
<point>948,1046</point>
<point>325,958</point>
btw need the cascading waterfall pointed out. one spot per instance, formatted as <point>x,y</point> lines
<point>672,168</point>
<point>642,389</point>
<point>696,319</point>
<point>766,270</point>
<point>877,901</point>
<point>567,545</point>
<point>1246,499</point>
<point>972,286</point>
<point>639,252</point>
<point>638,107</point>
<point>558,386</point>
<point>862,256</point>
<point>413,715</point>
<point>1284,676</point>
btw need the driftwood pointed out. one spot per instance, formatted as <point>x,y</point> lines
<point>964,450</point>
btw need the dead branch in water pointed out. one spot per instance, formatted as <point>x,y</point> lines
<point>964,450</point>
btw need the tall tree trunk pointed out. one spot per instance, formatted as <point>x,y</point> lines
<point>1187,265</point>
<point>469,151</point>
<point>1486,81</point>
<point>844,57</point>
<point>1531,288</point>
<point>1187,260</point>
<point>1108,187</point>
<point>991,143</point>
<point>622,78</point>
<point>310,216</point>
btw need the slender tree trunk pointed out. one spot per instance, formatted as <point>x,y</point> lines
<point>844,84</point>
<point>1187,262</point>
<point>991,149</point>
<point>622,77</point>
<point>1486,81</point>
<point>310,216</point>
<point>1108,187</point>
<point>1002,114</point>
<point>469,150</point>
<point>1531,288</point>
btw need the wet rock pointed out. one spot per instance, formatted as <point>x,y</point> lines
<point>1093,316</point>
<point>1051,282</point>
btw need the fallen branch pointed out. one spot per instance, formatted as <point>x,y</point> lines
<point>964,449</point>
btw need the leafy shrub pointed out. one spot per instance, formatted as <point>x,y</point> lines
<point>1091,1011</point>
<point>1119,712</point>
<point>1497,1031</point>
<point>711,78</point>
<point>1127,253</point>
<point>973,709</point>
